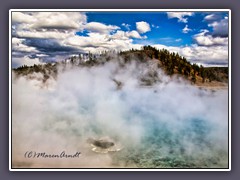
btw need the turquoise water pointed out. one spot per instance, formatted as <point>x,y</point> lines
<point>190,146</point>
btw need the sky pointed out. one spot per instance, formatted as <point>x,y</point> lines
<point>40,37</point>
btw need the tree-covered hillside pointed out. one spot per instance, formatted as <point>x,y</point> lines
<point>172,63</point>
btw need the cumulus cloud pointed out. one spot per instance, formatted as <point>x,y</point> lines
<point>209,40</point>
<point>211,47</point>
<point>126,35</point>
<point>44,32</point>
<point>208,56</point>
<point>96,42</point>
<point>219,24</point>
<point>49,20</point>
<point>205,55</point>
<point>134,34</point>
<point>100,27</point>
<point>20,17</point>
<point>205,39</point>
<point>142,27</point>
<point>220,28</point>
<point>186,29</point>
<point>53,34</point>
<point>42,25</point>
<point>181,16</point>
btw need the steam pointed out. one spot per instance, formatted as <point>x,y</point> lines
<point>168,124</point>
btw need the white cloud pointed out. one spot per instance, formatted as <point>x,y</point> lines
<point>97,42</point>
<point>120,35</point>
<point>210,41</point>
<point>186,29</point>
<point>126,35</point>
<point>41,55</point>
<point>20,17</point>
<point>101,37</point>
<point>60,20</point>
<point>60,27</point>
<point>43,34</point>
<point>178,40</point>
<point>143,27</point>
<point>220,28</point>
<point>93,39</point>
<point>34,26</point>
<point>209,50</point>
<point>25,61</point>
<point>180,15</point>
<point>204,39</point>
<point>211,17</point>
<point>16,41</point>
<point>57,25</point>
<point>133,34</point>
<point>208,56</point>
<point>100,28</point>
<point>40,28</point>
<point>49,20</point>
<point>155,26</point>
<point>127,26</point>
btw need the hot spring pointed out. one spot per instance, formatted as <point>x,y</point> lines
<point>170,124</point>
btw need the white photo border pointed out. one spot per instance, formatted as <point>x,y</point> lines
<point>118,10</point>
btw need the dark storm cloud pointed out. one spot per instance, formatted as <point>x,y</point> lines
<point>19,54</point>
<point>220,28</point>
<point>48,46</point>
<point>57,27</point>
<point>48,50</point>
<point>219,23</point>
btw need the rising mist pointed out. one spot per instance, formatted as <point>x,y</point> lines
<point>168,124</point>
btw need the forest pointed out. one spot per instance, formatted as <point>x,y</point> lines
<point>172,64</point>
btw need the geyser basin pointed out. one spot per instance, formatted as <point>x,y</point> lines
<point>170,124</point>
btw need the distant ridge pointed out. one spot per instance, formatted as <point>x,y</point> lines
<point>172,64</point>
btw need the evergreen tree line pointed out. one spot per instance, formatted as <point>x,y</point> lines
<point>171,62</point>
